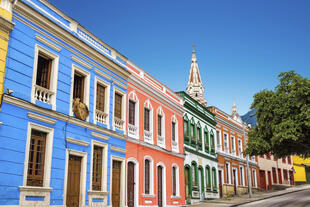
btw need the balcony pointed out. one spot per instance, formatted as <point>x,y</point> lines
<point>147,136</point>
<point>226,150</point>
<point>42,94</point>
<point>118,123</point>
<point>132,130</point>
<point>160,141</point>
<point>101,116</point>
<point>219,147</point>
<point>174,146</point>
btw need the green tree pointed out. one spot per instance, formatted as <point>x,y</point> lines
<point>283,118</point>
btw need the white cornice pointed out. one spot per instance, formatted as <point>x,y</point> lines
<point>81,62</point>
<point>57,115</point>
<point>100,136</point>
<point>40,20</point>
<point>78,142</point>
<point>5,25</point>
<point>118,149</point>
<point>48,43</point>
<point>41,118</point>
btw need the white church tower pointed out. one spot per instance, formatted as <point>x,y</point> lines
<point>195,87</point>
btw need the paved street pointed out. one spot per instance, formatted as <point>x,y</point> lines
<point>296,199</point>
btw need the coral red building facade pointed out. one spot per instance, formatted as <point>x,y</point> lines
<point>154,157</point>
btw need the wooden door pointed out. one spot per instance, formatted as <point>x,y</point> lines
<point>116,183</point>
<point>131,184</point>
<point>269,181</point>
<point>262,179</point>
<point>187,195</point>
<point>73,183</point>
<point>234,179</point>
<point>220,184</point>
<point>160,186</point>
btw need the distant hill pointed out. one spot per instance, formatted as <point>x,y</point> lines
<point>250,118</point>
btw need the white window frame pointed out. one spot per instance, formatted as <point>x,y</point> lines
<point>226,141</point>
<point>132,96</point>
<point>229,174</point>
<point>240,153</point>
<point>83,175</point>
<point>116,90</point>
<point>149,158</point>
<point>219,144</point>
<point>86,89</point>
<point>177,179</point>
<point>48,153</point>
<point>237,177</point>
<point>162,114</point>
<point>254,177</point>
<point>106,99</point>
<point>175,145</point>
<point>242,169</point>
<point>148,105</point>
<point>53,77</point>
<point>104,164</point>
<point>233,150</point>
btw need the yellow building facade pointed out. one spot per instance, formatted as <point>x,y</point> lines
<point>302,170</point>
<point>6,25</point>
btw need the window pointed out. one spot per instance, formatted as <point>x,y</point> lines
<point>218,139</point>
<point>198,134</point>
<point>227,173</point>
<point>36,158</point>
<point>185,124</point>
<point>146,119</point>
<point>280,176</point>
<point>78,87</point>
<point>214,178</point>
<point>159,125</point>
<point>206,140</point>
<point>97,168</point>
<point>147,177</point>
<point>212,142</point>
<point>285,177</point>
<point>174,181</point>
<point>100,97</point>
<point>289,161</point>
<point>194,183</point>
<point>192,131</point>
<point>208,178</point>
<point>254,178</point>
<point>284,160</point>
<point>233,149</point>
<point>44,79</point>
<point>44,68</point>
<point>173,131</point>
<point>132,108</point>
<point>240,147</point>
<point>118,106</point>
<point>226,147</point>
<point>241,176</point>
<point>101,101</point>
<point>274,175</point>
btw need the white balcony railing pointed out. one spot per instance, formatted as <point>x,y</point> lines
<point>219,147</point>
<point>226,150</point>
<point>147,136</point>
<point>132,130</point>
<point>43,94</point>
<point>101,116</point>
<point>233,152</point>
<point>118,123</point>
<point>160,140</point>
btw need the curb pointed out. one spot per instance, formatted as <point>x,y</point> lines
<point>268,197</point>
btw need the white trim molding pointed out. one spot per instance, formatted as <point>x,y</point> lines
<point>100,136</point>
<point>48,43</point>
<point>81,62</point>
<point>76,141</point>
<point>41,118</point>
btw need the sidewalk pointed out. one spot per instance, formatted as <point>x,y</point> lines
<point>237,200</point>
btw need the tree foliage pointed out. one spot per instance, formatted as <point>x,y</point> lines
<point>283,118</point>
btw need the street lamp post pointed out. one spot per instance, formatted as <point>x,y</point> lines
<point>248,169</point>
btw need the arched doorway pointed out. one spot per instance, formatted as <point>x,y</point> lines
<point>131,184</point>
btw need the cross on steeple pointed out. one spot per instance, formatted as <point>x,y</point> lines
<point>195,87</point>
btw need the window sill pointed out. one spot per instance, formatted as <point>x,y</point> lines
<point>34,189</point>
<point>94,192</point>
<point>175,197</point>
<point>148,195</point>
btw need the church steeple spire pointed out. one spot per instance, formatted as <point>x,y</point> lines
<point>234,112</point>
<point>195,87</point>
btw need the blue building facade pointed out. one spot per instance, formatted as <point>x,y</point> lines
<point>63,114</point>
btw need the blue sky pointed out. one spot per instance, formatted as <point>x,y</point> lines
<point>241,45</point>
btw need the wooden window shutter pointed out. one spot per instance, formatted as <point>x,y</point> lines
<point>173,131</point>
<point>118,106</point>
<point>132,112</point>
<point>78,86</point>
<point>147,177</point>
<point>174,181</point>
<point>146,119</point>
<point>43,71</point>
<point>36,158</point>
<point>159,123</point>
<point>97,168</point>
<point>100,97</point>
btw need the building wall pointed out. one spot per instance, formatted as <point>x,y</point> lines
<point>70,47</point>
<point>149,93</point>
<point>300,166</point>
